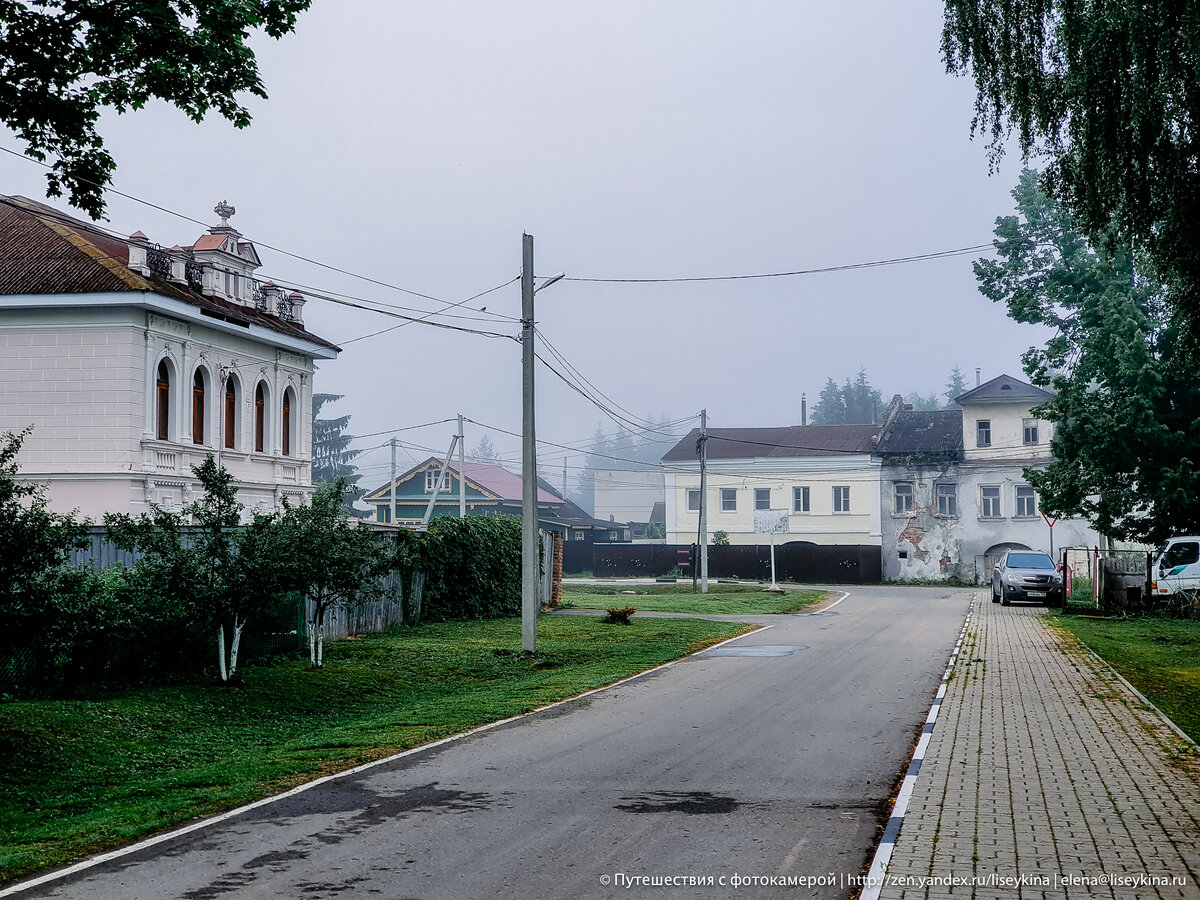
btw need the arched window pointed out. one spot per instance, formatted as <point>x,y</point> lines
<point>287,422</point>
<point>230,413</point>
<point>163,402</point>
<point>198,407</point>
<point>260,417</point>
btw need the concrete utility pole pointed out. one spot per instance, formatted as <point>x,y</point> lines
<point>462,479</point>
<point>530,576</point>
<point>703,501</point>
<point>529,522</point>
<point>392,520</point>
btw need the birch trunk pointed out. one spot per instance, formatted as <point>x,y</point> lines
<point>221,651</point>
<point>233,650</point>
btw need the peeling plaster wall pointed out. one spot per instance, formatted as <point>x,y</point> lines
<point>939,548</point>
<point>930,543</point>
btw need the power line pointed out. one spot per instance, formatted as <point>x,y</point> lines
<point>437,313</point>
<point>311,291</point>
<point>894,261</point>
<point>205,225</point>
<point>553,444</point>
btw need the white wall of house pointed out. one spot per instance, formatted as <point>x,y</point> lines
<point>1008,425</point>
<point>993,504</point>
<point>82,370</point>
<point>853,475</point>
<point>622,496</point>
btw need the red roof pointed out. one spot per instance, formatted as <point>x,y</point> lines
<point>494,480</point>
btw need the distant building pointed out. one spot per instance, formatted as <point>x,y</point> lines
<point>954,490</point>
<point>824,476</point>
<point>132,363</point>
<point>624,495</point>
<point>490,490</point>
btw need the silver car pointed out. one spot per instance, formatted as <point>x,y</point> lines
<point>1026,575</point>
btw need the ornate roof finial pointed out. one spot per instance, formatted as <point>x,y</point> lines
<point>224,210</point>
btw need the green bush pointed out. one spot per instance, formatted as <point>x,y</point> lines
<point>472,568</point>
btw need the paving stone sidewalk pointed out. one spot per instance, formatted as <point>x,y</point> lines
<point>1043,765</point>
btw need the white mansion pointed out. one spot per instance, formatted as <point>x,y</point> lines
<point>130,363</point>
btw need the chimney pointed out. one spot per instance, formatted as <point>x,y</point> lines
<point>803,409</point>
<point>977,371</point>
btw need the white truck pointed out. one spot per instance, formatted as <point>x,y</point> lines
<point>1176,566</point>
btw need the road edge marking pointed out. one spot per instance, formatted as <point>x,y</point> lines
<point>887,843</point>
<point>199,824</point>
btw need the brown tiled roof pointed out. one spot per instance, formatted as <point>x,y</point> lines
<point>784,441</point>
<point>210,242</point>
<point>43,251</point>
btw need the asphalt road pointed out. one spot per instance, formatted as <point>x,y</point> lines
<point>778,763</point>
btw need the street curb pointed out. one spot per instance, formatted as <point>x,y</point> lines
<point>887,843</point>
<point>299,789</point>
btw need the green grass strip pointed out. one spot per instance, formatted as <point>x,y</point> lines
<point>721,600</point>
<point>1159,656</point>
<point>85,775</point>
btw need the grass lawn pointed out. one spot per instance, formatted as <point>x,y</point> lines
<point>80,776</point>
<point>1160,657</point>
<point>721,599</point>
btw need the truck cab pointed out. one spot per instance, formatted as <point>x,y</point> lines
<point>1176,566</point>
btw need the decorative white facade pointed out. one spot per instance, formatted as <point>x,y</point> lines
<point>127,374</point>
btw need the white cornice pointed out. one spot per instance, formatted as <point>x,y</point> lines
<point>166,306</point>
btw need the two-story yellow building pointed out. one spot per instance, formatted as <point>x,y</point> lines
<point>824,476</point>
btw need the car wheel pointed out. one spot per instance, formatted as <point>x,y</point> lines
<point>1004,601</point>
<point>995,596</point>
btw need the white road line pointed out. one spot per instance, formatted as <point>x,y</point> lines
<point>266,801</point>
<point>887,844</point>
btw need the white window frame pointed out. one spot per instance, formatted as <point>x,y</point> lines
<point>841,499</point>
<point>800,499</point>
<point>902,498</point>
<point>983,427</point>
<point>431,479</point>
<point>987,500</point>
<point>692,493</point>
<point>758,499</point>
<point>728,495</point>
<point>940,493</point>
<point>1029,432</point>
<point>1022,494</point>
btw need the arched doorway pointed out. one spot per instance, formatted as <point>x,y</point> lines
<point>992,556</point>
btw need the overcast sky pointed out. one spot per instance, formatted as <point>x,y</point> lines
<point>413,143</point>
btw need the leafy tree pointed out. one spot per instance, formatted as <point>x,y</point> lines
<point>1126,407</point>
<point>331,450</point>
<point>956,386</point>
<point>1108,95</point>
<point>720,538</point>
<point>220,574</point>
<point>655,531</point>
<point>62,62</point>
<point>485,452</point>
<point>35,546</point>
<point>340,565</point>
